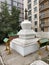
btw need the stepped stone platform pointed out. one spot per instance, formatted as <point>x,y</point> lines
<point>16,59</point>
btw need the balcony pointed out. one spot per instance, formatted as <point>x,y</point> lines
<point>46,24</point>
<point>40,1</point>
<point>45,7</point>
<point>45,16</point>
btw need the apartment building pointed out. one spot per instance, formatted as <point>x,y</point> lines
<point>44,15</point>
<point>18,3</point>
<point>33,13</point>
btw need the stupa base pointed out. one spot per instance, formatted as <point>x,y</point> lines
<point>26,49</point>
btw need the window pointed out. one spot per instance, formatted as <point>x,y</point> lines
<point>18,4</point>
<point>29,12</point>
<point>35,16</point>
<point>42,14</point>
<point>29,6</point>
<point>48,2</point>
<point>35,2</point>
<point>42,29</point>
<point>35,9</point>
<point>35,29</point>
<point>42,5</point>
<point>30,18</point>
<point>35,22</point>
<point>42,24</point>
<point>29,1</point>
<point>42,21</point>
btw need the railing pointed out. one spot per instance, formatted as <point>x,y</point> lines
<point>44,7</point>
<point>40,1</point>
<point>46,15</point>
<point>42,34</point>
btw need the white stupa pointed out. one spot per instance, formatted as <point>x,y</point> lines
<point>26,43</point>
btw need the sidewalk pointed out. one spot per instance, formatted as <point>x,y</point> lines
<point>16,59</point>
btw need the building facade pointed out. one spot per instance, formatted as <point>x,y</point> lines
<point>33,13</point>
<point>44,15</point>
<point>18,3</point>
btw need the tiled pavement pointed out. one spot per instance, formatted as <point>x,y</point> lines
<point>16,59</point>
